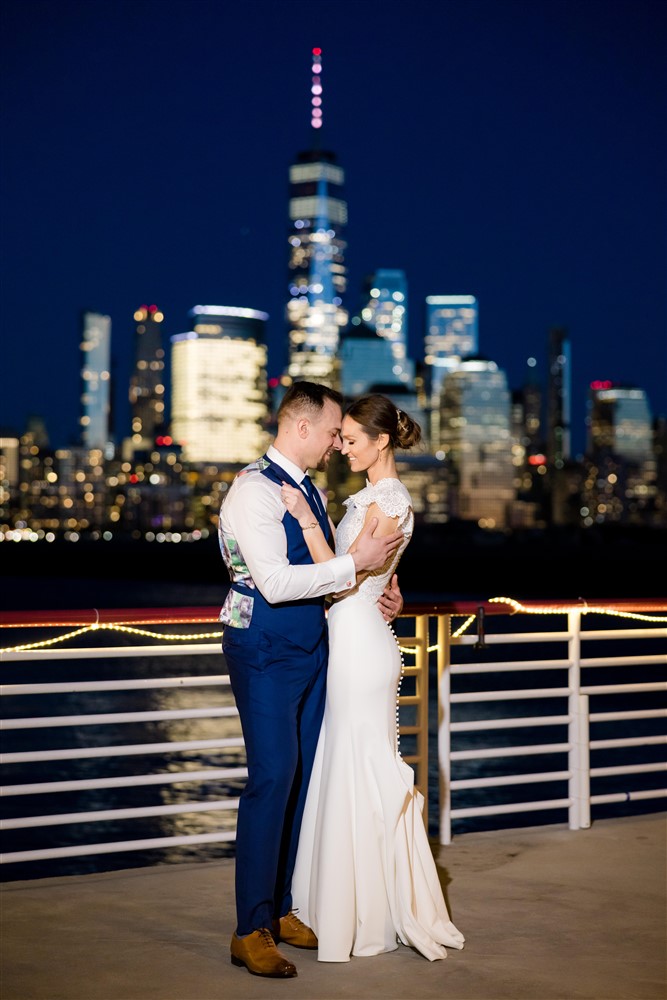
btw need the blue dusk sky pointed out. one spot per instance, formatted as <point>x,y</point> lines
<point>509,149</point>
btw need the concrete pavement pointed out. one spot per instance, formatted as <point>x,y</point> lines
<point>548,914</point>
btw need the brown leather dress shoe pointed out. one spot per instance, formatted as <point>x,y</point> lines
<point>258,953</point>
<point>293,931</point>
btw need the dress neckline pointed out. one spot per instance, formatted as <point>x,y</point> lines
<point>384,479</point>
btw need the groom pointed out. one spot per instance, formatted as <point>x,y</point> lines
<point>276,648</point>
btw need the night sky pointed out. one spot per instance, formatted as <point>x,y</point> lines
<point>509,149</point>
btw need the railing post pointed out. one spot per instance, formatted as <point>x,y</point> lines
<point>421,632</point>
<point>574,734</point>
<point>444,731</point>
<point>584,781</point>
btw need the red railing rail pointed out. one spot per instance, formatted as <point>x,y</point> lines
<point>197,615</point>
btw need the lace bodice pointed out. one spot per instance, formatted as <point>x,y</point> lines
<point>393,499</point>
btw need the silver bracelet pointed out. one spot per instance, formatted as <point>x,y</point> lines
<point>307,527</point>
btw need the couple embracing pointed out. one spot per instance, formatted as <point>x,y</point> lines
<point>331,849</point>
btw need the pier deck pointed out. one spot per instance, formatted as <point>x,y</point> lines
<point>548,913</point>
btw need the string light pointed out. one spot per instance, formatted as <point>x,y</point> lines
<point>519,608</point>
<point>110,628</point>
<point>516,606</point>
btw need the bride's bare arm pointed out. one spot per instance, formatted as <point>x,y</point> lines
<point>372,549</point>
<point>299,508</point>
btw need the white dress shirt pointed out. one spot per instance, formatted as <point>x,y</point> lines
<point>251,514</point>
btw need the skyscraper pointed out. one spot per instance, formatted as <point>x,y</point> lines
<point>621,481</point>
<point>219,389</point>
<point>317,275</point>
<point>559,398</point>
<point>147,399</point>
<point>95,381</point>
<point>476,439</point>
<point>451,334</point>
<point>619,422</point>
<point>365,358</point>
<point>385,308</point>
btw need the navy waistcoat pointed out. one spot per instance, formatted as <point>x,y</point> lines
<point>302,621</point>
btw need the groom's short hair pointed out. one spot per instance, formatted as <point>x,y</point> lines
<point>308,397</point>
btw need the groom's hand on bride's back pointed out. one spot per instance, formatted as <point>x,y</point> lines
<point>372,553</point>
<point>390,601</point>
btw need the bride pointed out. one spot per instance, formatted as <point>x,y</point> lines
<point>365,878</point>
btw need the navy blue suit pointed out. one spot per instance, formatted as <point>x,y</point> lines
<point>277,668</point>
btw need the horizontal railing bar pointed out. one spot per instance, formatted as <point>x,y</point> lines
<point>126,750</point>
<point>650,793</point>
<point>493,638</point>
<point>623,633</point>
<point>103,815</point>
<point>114,652</point>
<point>115,718</point>
<point>128,781</point>
<point>657,659</point>
<point>140,684</point>
<point>558,664</point>
<point>621,688</point>
<point>511,807</point>
<point>511,779</point>
<point>514,723</point>
<point>495,752</point>
<point>511,638</point>
<point>113,848</point>
<point>642,713</point>
<point>516,638</point>
<point>630,741</point>
<point>599,772</point>
<point>471,696</point>
<point>514,665</point>
<point>209,649</point>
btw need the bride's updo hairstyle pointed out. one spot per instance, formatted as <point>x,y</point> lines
<point>378,415</point>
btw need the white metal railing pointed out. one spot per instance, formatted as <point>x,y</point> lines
<point>573,694</point>
<point>457,656</point>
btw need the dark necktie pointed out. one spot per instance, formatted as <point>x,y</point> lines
<point>311,492</point>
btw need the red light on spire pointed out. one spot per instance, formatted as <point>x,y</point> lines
<point>601,384</point>
<point>317,52</point>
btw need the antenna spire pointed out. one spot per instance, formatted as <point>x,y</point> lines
<point>316,90</point>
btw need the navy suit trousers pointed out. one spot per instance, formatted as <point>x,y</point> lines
<point>280,692</point>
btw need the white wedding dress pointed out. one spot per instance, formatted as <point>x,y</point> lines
<point>365,877</point>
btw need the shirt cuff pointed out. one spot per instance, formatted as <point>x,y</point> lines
<point>345,573</point>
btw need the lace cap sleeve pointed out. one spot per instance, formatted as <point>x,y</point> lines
<point>392,498</point>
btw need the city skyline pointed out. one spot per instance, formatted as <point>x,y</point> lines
<point>536,189</point>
